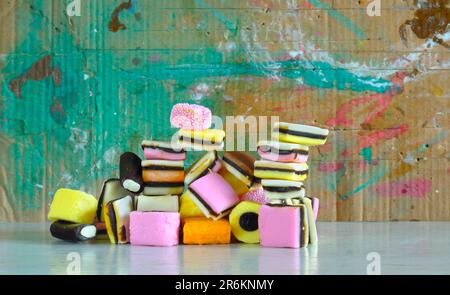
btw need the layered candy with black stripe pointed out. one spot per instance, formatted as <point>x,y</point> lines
<point>163,177</point>
<point>207,163</point>
<point>283,151</point>
<point>204,140</point>
<point>241,165</point>
<point>300,134</point>
<point>277,170</point>
<point>213,195</point>
<point>275,189</point>
<point>117,219</point>
<point>162,150</point>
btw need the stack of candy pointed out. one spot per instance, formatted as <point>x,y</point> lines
<point>217,200</point>
<point>156,210</point>
<point>73,213</point>
<point>208,197</point>
<point>288,220</point>
<point>194,122</point>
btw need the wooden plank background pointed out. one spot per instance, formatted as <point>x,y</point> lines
<point>77,91</point>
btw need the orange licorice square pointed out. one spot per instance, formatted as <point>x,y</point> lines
<point>202,230</point>
<point>162,176</point>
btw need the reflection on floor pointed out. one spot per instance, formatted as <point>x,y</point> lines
<point>344,248</point>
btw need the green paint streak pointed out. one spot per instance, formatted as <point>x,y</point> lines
<point>315,74</point>
<point>230,25</point>
<point>381,171</point>
<point>378,174</point>
<point>366,153</point>
<point>340,18</point>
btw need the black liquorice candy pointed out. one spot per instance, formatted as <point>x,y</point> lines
<point>72,232</point>
<point>131,172</point>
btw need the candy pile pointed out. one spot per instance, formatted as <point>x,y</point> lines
<point>217,200</point>
<point>289,219</point>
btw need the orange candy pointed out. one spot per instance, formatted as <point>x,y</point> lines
<point>162,176</point>
<point>202,231</point>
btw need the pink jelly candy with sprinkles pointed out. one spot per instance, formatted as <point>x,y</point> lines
<point>255,194</point>
<point>190,116</point>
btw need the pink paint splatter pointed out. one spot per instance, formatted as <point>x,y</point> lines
<point>379,136</point>
<point>345,153</point>
<point>382,99</point>
<point>362,165</point>
<point>261,3</point>
<point>330,167</point>
<point>326,148</point>
<point>416,188</point>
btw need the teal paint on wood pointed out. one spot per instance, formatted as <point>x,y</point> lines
<point>349,24</point>
<point>117,89</point>
<point>103,106</point>
<point>366,153</point>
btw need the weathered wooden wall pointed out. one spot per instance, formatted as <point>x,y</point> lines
<point>77,91</point>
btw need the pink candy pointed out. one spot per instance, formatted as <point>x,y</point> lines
<point>158,154</point>
<point>292,157</point>
<point>255,195</point>
<point>279,227</point>
<point>190,116</point>
<point>154,228</point>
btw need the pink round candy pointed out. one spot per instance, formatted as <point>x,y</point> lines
<point>190,116</point>
<point>255,194</point>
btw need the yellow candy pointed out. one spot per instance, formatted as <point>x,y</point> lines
<point>244,222</point>
<point>297,139</point>
<point>239,187</point>
<point>207,140</point>
<point>188,208</point>
<point>284,171</point>
<point>280,175</point>
<point>210,135</point>
<point>74,206</point>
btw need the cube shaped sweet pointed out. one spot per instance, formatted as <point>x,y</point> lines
<point>213,195</point>
<point>283,226</point>
<point>74,206</point>
<point>117,219</point>
<point>166,203</point>
<point>154,228</point>
<point>203,231</point>
<point>188,208</point>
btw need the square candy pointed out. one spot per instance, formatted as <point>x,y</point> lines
<point>154,228</point>
<point>282,227</point>
<point>215,192</point>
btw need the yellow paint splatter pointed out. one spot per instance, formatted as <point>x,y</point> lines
<point>437,91</point>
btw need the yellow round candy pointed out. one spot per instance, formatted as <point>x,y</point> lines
<point>244,222</point>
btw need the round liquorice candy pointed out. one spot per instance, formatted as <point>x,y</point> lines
<point>244,222</point>
<point>131,172</point>
<point>72,232</point>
